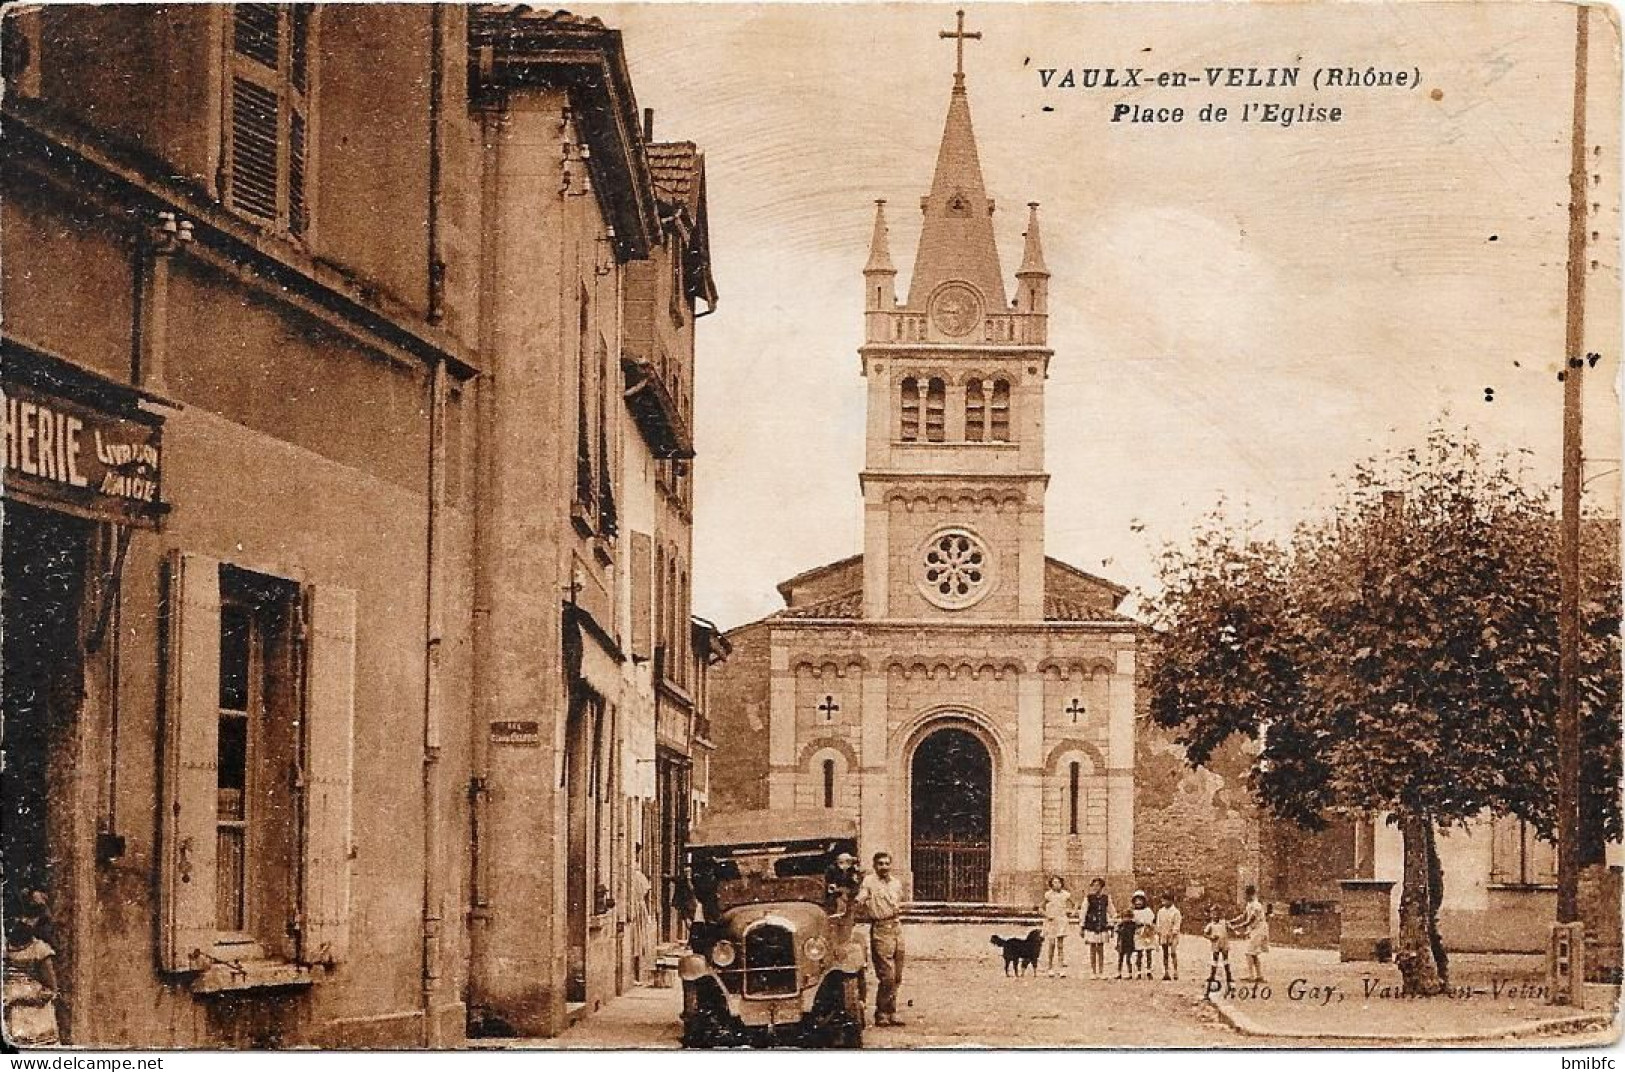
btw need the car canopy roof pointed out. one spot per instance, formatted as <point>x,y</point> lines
<point>771,826</point>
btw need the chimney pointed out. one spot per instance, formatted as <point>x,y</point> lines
<point>648,124</point>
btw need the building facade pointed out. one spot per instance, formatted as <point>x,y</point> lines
<point>969,700</point>
<point>239,361</point>
<point>330,712</point>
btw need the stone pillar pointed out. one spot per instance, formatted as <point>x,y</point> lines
<point>873,825</point>
<point>1365,910</point>
<point>781,729</point>
<point>876,552</point>
<point>1027,825</point>
<point>1030,563</point>
<point>1120,762</point>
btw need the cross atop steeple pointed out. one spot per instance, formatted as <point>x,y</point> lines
<point>959,37</point>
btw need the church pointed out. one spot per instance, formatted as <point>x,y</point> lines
<point>969,700</point>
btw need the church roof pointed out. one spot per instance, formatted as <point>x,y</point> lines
<point>846,605</point>
<point>956,241</point>
<point>787,587</point>
<point>834,592</point>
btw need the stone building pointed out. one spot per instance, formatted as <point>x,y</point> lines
<point>240,357</point>
<point>968,699</point>
<point>330,435</point>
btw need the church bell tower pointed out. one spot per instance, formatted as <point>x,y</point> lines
<point>953,479</point>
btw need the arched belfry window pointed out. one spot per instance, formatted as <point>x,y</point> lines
<point>975,412</point>
<point>910,431</point>
<point>935,412</point>
<point>999,413</point>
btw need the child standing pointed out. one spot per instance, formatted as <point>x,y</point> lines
<point>1253,925</point>
<point>1145,934</point>
<point>1217,932</point>
<point>1097,925</point>
<point>1125,944</point>
<point>30,985</point>
<point>1169,921</point>
<point>1057,916</point>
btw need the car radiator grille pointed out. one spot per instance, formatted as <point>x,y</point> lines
<point>770,962</point>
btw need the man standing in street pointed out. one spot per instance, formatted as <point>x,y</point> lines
<point>880,898</point>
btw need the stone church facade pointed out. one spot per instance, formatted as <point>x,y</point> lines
<point>968,699</point>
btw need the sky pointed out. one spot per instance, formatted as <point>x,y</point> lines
<point>1238,311</point>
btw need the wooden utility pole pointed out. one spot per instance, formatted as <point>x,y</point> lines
<point>1574,364</point>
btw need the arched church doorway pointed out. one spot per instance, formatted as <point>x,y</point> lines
<point>951,790</point>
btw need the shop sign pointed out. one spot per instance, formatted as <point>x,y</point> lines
<point>67,455</point>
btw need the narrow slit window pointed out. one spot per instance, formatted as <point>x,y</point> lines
<point>829,783</point>
<point>1074,778</point>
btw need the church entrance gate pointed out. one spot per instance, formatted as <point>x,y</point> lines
<point>951,790</point>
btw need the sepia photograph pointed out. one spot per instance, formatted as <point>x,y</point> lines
<point>694,526</point>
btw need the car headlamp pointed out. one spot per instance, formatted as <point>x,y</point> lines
<point>690,968</point>
<point>815,947</point>
<point>723,953</point>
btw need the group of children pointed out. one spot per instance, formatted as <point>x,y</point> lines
<point>1139,931</point>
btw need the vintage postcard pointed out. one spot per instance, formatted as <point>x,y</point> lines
<point>811,525</point>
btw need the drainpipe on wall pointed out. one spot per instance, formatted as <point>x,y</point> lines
<point>431,708</point>
<point>433,614</point>
<point>484,697</point>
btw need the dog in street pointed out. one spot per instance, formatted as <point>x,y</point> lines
<point>1021,952</point>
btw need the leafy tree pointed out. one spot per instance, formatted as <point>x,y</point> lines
<point>1396,656</point>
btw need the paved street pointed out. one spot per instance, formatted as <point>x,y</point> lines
<point>957,995</point>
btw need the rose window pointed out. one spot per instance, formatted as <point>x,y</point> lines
<point>956,569</point>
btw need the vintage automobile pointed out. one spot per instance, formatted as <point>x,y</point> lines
<point>772,957</point>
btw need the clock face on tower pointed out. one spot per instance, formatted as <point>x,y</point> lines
<point>956,309</point>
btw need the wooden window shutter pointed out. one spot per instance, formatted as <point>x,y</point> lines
<point>642,577</point>
<point>1506,850</point>
<point>254,111</point>
<point>329,748</point>
<point>1541,858</point>
<point>190,779</point>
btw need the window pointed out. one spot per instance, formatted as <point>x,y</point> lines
<point>267,137</point>
<point>608,523</point>
<point>955,569</point>
<point>911,410</point>
<point>643,598</point>
<point>975,412</point>
<point>1074,780</point>
<point>584,460</point>
<point>829,783</point>
<point>1519,856</point>
<point>999,416</point>
<point>934,410</point>
<point>259,698</point>
<point>257,741</point>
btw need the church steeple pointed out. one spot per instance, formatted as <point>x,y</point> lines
<point>879,276</point>
<point>956,241</point>
<point>1032,278</point>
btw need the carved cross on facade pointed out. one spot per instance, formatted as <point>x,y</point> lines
<point>1075,709</point>
<point>959,37</point>
<point>829,707</point>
